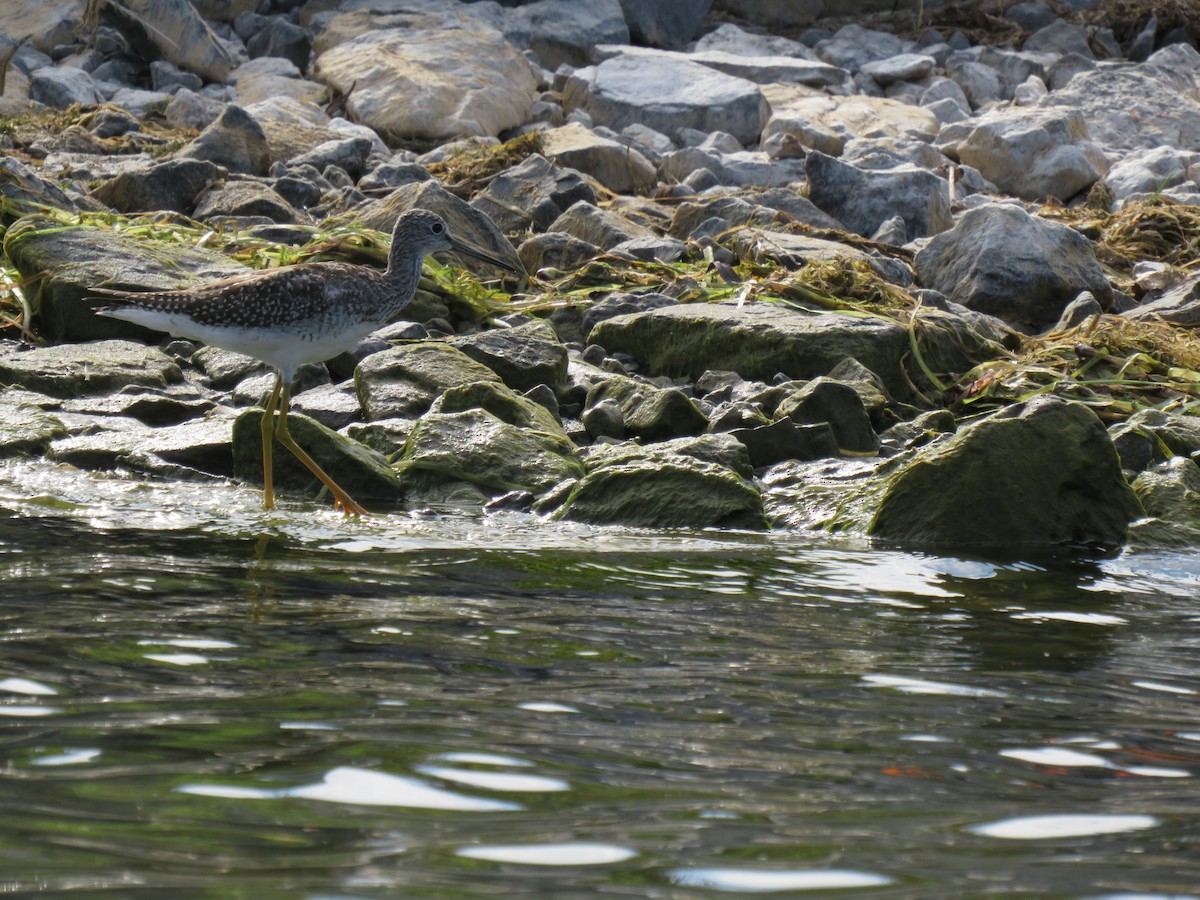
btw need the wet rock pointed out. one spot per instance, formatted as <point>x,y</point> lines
<point>655,414</point>
<point>829,401</point>
<point>201,447</point>
<point>234,141</point>
<point>1151,436</point>
<point>524,356</point>
<point>333,405</point>
<point>1000,260</point>
<point>756,341</point>
<point>475,446</point>
<point>784,439</point>
<point>361,471</point>
<point>73,370</point>
<point>473,83</point>
<point>1045,472</point>
<point>656,487</point>
<point>171,184</point>
<point>1031,152</point>
<point>1170,495</point>
<point>532,195</point>
<point>25,428</point>
<point>386,436</point>
<point>666,94</point>
<point>863,200</point>
<point>404,381</point>
<point>604,419</point>
<point>508,406</point>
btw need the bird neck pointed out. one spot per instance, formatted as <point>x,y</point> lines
<point>402,274</point>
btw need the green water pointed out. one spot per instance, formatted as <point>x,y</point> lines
<point>198,699</point>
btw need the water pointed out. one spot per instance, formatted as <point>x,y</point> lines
<point>198,699</point>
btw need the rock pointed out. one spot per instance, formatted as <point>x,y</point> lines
<point>524,356</point>
<point>455,83</point>
<point>281,38</point>
<point>507,406</point>
<point>75,261</point>
<point>348,154</point>
<point>1078,311</point>
<point>1134,108</point>
<point>756,341</point>
<point>736,211</point>
<point>171,184</point>
<point>617,167</point>
<point>666,94</point>
<point>655,487</point>
<point>1030,16</point>
<point>864,200</point>
<point>555,250</point>
<point>1170,494</point>
<point>1066,67</point>
<point>25,429</point>
<point>1148,173</point>
<point>1032,153</point>
<point>619,303</point>
<point>243,199</point>
<point>1151,436</point>
<point>180,35</point>
<point>979,82</point>
<point>75,370</point>
<point>729,38</point>
<point>64,86</point>
<point>464,221</point>
<point>771,70</point>
<point>826,123</point>
<point>1180,305</point>
<point>604,419</point>
<point>902,67</point>
<point>784,439</point>
<point>186,451</point>
<point>334,406</point>
<point>853,47</point>
<point>601,227</point>
<point>1059,38</point>
<point>1045,472</point>
<point>234,141</point>
<point>565,31</point>
<point>475,446</point>
<point>185,109</point>
<point>664,23</point>
<point>531,195</point>
<point>796,250</point>
<point>826,400</point>
<point>775,14</point>
<point>24,192</point>
<point>405,380</point>
<point>46,24</point>
<point>654,414</point>
<point>1000,260</point>
<point>362,472</point>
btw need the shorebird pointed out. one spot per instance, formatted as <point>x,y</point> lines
<point>293,315</point>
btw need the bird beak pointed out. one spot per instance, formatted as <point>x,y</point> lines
<point>467,250</point>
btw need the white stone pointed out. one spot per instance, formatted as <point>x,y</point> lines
<point>432,84</point>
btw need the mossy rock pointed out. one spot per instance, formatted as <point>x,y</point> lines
<point>362,472</point>
<point>1170,494</point>
<point>25,428</point>
<point>658,493</point>
<point>82,370</point>
<point>655,414</point>
<point>404,381</point>
<point>476,446</point>
<point>507,406</point>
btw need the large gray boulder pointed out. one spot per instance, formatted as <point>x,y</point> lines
<point>864,199</point>
<point>665,23</point>
<point>667,93</point>
<point>405,380</point>
<point>1000,260</point>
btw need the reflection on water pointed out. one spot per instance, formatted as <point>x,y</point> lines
<point>199,697</point>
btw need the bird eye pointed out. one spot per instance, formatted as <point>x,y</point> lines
<point>437,227</point>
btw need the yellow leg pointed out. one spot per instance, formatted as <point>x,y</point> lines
<point>341,500</point>
<point>268,432</point>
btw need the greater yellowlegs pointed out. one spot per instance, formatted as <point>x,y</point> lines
<point>293,315</point>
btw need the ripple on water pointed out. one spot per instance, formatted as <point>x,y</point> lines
<point>567,853</point>
<point>1065,825</point>
<point>762,881</point>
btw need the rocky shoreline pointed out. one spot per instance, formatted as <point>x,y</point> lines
<point>831,279</point>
